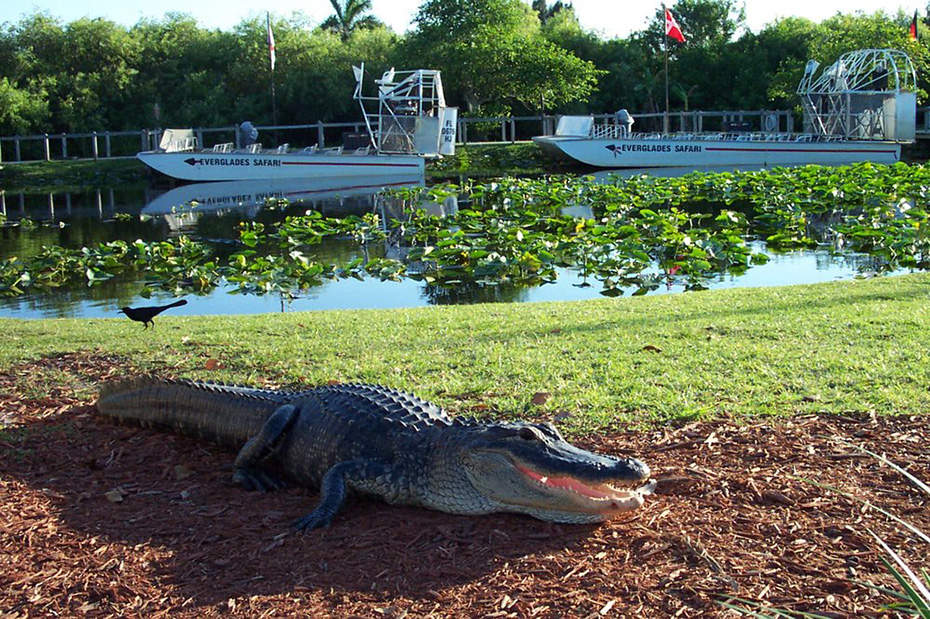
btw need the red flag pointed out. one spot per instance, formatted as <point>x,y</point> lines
<point>270,42</point>
<point>913,30</point>
<point>671,27</point>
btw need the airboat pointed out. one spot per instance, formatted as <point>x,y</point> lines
<point>406,122</point>
<point>861,108</point>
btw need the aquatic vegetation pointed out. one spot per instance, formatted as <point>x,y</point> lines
<point>638,232</point>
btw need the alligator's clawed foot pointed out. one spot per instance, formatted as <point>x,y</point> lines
<point>258,479</point>
<point>314,520</point>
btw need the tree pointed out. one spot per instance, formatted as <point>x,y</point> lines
<point>99,70</point>
<point>21,110</point>
<point>492,52</point>
<point>83,71</point>
<point>317,81</point>
<point>184,74</point>
<point>349,17</point>
<point>703,22</point>
<point>699,69</point>
<point>827,41</point>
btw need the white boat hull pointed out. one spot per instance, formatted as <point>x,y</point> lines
<point>210,166</point>
<point>700,153</point>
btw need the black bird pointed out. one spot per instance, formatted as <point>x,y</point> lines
<point>146,314</point>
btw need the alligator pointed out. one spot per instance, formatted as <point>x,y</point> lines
<point>371,440</point>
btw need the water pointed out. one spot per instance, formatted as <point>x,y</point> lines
<point>75,220</point>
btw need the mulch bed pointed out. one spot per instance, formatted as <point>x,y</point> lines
<point>98,520</point>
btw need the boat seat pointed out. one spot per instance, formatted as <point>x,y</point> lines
<point>282,150</point>
<point>223,148</point>
<point>254,148</point>
<point>362,151</point>
<point>310,150</point>
<point>333,151</point>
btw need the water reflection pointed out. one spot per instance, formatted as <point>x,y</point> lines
<point>212,212</point>
<point>59,207</point>
<point>182,206</point>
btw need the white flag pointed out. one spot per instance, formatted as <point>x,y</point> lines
<point>270,42</point>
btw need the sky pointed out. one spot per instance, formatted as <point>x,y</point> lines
<point>610,18</point>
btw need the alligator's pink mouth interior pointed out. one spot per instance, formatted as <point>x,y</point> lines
<point>602,492</point>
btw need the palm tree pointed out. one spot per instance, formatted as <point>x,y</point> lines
<point>547,12</point>
<point>349,17</point>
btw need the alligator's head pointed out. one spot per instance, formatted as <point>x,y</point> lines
<point>530,469</point>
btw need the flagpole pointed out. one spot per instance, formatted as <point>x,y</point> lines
<point>274,106</point>
<point>665,47</point>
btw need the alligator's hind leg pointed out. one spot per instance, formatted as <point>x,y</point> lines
<point>249,470</point>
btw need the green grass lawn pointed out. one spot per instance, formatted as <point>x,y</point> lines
<point>854,347</point>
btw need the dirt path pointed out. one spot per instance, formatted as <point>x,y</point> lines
<point>98,520</point>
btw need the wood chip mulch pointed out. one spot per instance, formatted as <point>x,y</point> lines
<point>104,520</point>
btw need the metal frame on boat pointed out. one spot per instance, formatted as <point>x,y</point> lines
<point>861,108</point>
<point>407,121</point>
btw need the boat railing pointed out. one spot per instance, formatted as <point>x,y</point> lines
<point>182,145</point>
<point>598,132</point>
<point>608,132</point>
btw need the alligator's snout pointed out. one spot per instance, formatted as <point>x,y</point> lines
<point>636,470</point>
<point>531,468</point>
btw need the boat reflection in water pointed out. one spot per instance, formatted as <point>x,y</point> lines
<point>181,207</point>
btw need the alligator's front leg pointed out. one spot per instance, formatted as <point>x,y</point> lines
<point>352,474</point>
<point>250,472</point>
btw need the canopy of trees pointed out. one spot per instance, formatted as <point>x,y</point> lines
<point>497,57</point>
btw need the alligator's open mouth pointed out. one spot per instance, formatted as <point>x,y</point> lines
<point>617,496</point>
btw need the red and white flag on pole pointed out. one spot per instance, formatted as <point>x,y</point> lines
<point>270,42</point>
<point>671,27</point>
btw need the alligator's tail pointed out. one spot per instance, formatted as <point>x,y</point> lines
<point>222,414</point>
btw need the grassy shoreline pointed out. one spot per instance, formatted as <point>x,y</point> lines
<point>853,348</point>
<point>71,175</point>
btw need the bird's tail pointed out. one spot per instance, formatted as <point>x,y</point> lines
<point>177,303</point>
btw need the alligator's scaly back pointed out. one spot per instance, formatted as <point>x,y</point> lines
<point>222,414</point>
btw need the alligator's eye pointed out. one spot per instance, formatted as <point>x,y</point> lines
<point>527,434</point>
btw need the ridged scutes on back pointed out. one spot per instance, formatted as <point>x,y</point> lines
<point>385,403</point>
